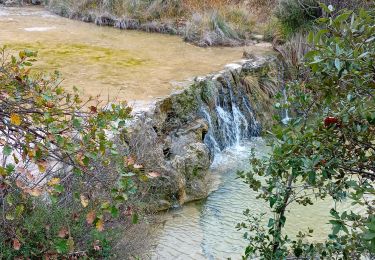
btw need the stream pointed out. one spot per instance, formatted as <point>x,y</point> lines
<point>116,64</point>
<point>206,229</point>
<point>142,67</point>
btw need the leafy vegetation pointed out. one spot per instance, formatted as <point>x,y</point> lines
<point>327,150</point>
<point>62,175</point>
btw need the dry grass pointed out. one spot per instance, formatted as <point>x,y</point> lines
<point>204,22</point>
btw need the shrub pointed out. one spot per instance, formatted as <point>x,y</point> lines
<point>296,15</point>
<point>326,150</point>
<point>56,158</point>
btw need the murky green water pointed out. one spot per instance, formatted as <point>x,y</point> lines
<point>206,230</point>
<point>130,65</point>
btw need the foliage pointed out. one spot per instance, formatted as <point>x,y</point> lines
<point>327,150</point>
<point>296,15</point>
<point>57,152</point>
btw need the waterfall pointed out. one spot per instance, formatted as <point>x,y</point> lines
<point>230,119</point>
<point>286,117</point>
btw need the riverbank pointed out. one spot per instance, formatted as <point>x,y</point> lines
<point>212,23</point>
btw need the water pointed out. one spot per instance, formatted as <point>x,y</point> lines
<point>286,117</point>
<point>231,119</point>
<point>128,65</point>
<point>206,229</point>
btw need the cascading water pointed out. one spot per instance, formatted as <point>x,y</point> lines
<point>286,117</point>
<point>231,119</point>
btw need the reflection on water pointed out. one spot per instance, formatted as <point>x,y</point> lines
<point>206,230</point>
<point>130,65</point>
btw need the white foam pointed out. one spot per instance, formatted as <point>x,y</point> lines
<point>39,29</point>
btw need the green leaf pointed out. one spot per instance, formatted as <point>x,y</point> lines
<point>7,150</point>
<point>338,64</point>
<point>77,123</point>
<point>135,218</point>
<point>342,17</point>
<point>115,212</point>
<point>369,236</point>
<point>272,201</point>
<point>271,222</point>
<point>61,246</point>
<point>325,8</point>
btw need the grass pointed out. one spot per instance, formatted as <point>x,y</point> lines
<point>205,23</point>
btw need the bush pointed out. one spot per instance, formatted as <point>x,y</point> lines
<point>326,150</point>
<point>296,15</point>
<point>57,159</point>
<point>48,230</point>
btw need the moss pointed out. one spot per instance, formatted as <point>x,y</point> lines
<point>185,104</point>
<point>207,91</point>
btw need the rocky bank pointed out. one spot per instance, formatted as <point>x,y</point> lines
<point>180,134</point>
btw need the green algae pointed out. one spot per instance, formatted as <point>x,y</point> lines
<point>61,54</point>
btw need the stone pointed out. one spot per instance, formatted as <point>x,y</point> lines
<point>169,138</point>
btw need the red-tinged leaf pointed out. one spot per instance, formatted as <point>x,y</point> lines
<point>36,192</point>
<point>16,244</point>
<point>128,212</point>
<point>90,217</point>
<point>129,160</point>
<point>63,232</point>
<point>93,109</point>
<point>20,184</point>
<point>29,176</point>
<point>330,121</point>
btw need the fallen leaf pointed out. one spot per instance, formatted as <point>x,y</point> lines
<point>96,245</point>
<point>42,166</point>
<point>29,176</point>
<point>80,158</point>
<point>15,119</point>
<point>128,211</point>
<point>63,232</point>
<point>129,160</point>
<point>84,201</point>
<point>54,181</point>
<point>90,217</point>
<point>36,192</point>
<point>100,225</point>
<point>21,170</point>
<point>138,166</point>
<point>20,184</point>
<point>153,174</point>
<point>16,244</point>
<point>93,109</point>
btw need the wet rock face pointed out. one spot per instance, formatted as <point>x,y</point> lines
<point>180,136</point>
